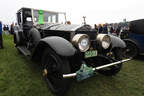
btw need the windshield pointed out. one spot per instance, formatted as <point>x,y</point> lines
<point>42,17</point>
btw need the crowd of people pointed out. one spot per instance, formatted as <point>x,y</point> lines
<point>9,29</point>
<point>6,29</point>
<point>113,28</point>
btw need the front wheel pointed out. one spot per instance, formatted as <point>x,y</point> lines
<point>54,67</point>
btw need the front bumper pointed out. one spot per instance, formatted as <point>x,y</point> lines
<point>96,68</point>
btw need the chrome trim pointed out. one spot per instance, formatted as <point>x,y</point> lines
<point>97,68</point>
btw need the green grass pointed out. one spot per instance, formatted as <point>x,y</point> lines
<point>21,77</point>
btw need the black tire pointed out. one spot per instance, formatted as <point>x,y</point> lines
<point>131,50</point>
<point>35,36</point>
<point>18,38</point>
<point>113,70</point>
<point>56,66</point>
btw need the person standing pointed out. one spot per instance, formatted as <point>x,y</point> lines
<point>118,29</point>
<point>95,29</point>
<point>15,28</point>
<point>7,28</point>
<point>105,29</point>
<point>100,28</point>
<point>4,29</point>
<point>12,28</point>
<point>1,40</point>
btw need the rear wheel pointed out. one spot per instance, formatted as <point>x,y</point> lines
<point>54,67</point>
<point>18,38</point>
<point>17,41</point>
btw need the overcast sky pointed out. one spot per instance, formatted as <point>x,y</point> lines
<point>96,11</point>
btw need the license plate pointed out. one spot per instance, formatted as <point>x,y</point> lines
<point>90,53</point>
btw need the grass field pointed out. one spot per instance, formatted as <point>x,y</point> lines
<point>21,77</point>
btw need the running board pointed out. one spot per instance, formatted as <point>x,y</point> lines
<point>24,50</point>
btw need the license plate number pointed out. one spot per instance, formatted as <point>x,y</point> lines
<point>90,53</point>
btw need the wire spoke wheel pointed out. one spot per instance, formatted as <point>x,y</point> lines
<point>54,67</point>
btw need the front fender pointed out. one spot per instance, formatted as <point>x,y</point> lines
<point>117,42</point>
<point>60,45</point>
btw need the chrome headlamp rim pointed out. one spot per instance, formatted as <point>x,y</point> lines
<point>77,40</point>
<point>104,40</point>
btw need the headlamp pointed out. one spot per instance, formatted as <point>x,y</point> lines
<point>81,41</point>
<point>104,40</point>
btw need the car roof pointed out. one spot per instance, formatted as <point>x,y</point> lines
<point>137,26</point>
<point>26,8</point>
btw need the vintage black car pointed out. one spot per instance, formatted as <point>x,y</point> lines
<point>66,50</point>
<point>134,38</point>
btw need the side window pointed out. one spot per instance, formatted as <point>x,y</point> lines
<point>19,18</point>
<point>54,18</point>
<point>49,19</point>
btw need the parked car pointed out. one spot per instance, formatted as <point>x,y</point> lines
<point>134,38</point>
<point>65,50</point>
